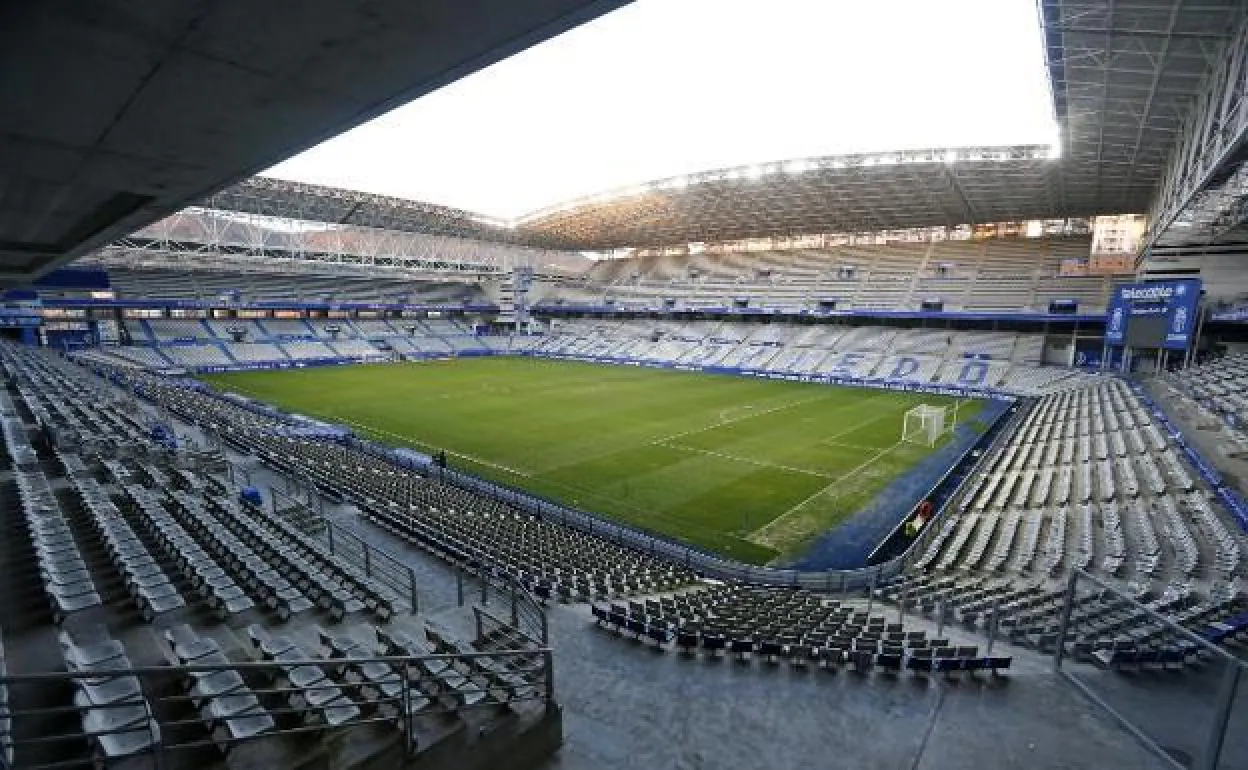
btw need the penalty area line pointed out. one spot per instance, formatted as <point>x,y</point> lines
<point>760,534</point>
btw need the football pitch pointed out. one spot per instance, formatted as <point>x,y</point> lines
<point>751,468</point>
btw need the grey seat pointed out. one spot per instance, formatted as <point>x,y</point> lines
<point>243,726</point>
<point>381,677</point>
<point>189,647</point>
<point>101,655</point>
<point>216,684</point>
<point>302,677</point>
<point>106,727</point>
<point>228,706</point>
<point>461,689</point>
<point>333,707</point>
<point>114,689</point>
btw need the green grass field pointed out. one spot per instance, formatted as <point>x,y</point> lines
<point>751,468</point>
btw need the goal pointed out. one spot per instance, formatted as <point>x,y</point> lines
<point>923,424</point>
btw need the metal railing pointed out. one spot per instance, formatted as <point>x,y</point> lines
<point>168,714</point>
<point>528,615</point>
<point>1184,720</point>
<point>378,564</point>
<point>307,514</point>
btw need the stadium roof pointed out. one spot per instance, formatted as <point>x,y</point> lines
<point>83,168</point>
<point>1130,79</point>
<point>1124,74</point>
<point>846,193</point>
<point>317,203</point>
<point>118,113</point>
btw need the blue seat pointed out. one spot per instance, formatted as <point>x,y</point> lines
<point>660,633</point>
<point>686,640</point>
<point>1170,657</point>
<point>714,644</point>
<point>771,650</point>
<point>636,627</point>
<point>947,666</point>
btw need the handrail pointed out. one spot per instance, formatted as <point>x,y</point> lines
<point>494,678</point>
<point>261,665</point>
<point>378,563</point>
<point>526,611</point>
<point>1223,700</point>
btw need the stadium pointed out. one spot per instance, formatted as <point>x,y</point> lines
<point>920,458</point>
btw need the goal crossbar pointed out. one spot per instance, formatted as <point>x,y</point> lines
<point>924,424</point>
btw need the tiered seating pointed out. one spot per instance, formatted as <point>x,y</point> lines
<point>804,629</point>
<point>215,586</point>
<point>230,711</point>
<point>121,526</point>
<point>256,352</point>
<point>145,357</point>
<point>999,275</point>
<point>192,356</point>
<point>116,716</point>
<point>885,354</point>
<point>335,586</point>
<point>145,580</point>
<point>65,577</point>
<point>222,329</point>
<point>867,352</point>
<point>286,328</point>
<point>1089,480</point>
<point>1219,388</point>
<point>178,329</point>
<point>353,348</point>
<point>308,351</point>
<point>206,283</point>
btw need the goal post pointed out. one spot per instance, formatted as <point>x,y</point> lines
<point>924,424</point>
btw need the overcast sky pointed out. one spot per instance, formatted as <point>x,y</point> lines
<point>665,87</point>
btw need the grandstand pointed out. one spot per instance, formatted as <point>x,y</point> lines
<point>1016,276</point>
<point>196,578</point>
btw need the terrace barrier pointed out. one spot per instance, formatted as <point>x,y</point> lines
<point>166,719</point>
<point>1184,720</point>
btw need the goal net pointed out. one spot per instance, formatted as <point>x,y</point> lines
<point>923,424</point>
